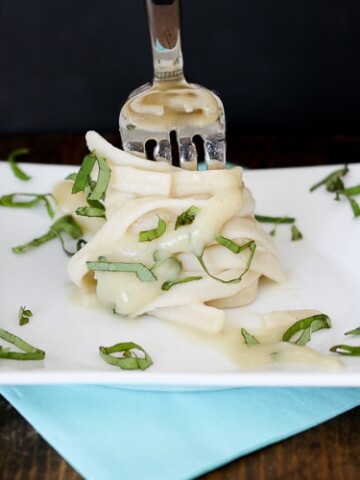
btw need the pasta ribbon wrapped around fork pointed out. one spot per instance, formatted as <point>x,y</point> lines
<point>180,245</point>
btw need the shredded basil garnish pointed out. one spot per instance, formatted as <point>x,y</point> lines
<point>14,200</point>
<point>187,217</point>
<point>249,339</point>
<point>230,245</point>
<point>149,235</point>
<point>349,350</point>
<point>95,190</point>
<point>354,206</point>
<point>355,331</point>
<point>167,285</point>
<point>91,212</point>
<point>276,221</point>
<point>129,360</point>
<point>28,351</point>
<point>334,183</point>
<point>295,233</point>
<point>18,172</point>
<point>65,224</point>
<point>83,177</point>
<point>24,315</point>
<point>307,326</point>
<point>142,272</point>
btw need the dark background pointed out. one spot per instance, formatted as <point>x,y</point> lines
<point>280,65</point>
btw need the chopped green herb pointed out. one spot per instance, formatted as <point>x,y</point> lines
<point>71,176</point>
<point>295,233</point>
<point>167,285</point>
<point>187,217</point>
<point>277,220</point>
<point>251,245</point>
<point>91,212</point>
<point>143,273</point>
<point>307,326</point>
<point>83,176</point>
<point>355,331</point>
<point>354,206</point>
<point>351,191</point>
<point>95,190</point>
<point>175,263</point>
<point>130,126</point>
<point>149,235</point>
<point>346,350</point>
<point>129,360</point>
<point>331,181</point>
<point>28,351</point>
<point>230,245</point>
<point>249,339</point>
<point>24,315</point>
<point>14,200</point>
<point>65,224</point>
<point>18,172</point>
<point>349,350</point>
<point>334,184</point>
<point>102,182</point>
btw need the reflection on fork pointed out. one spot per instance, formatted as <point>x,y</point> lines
<point>171,119</point>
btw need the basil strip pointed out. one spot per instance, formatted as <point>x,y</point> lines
<point>149,235</point>
<point>308,326</point>
<point>232,246</point>
<point>129,360</point>
<point>28,351</point>
<point>83,176</point>
<point>91,212</point>
<point>18,172</point>
<point>332,181</point>
<point>24,315</point>
<point>251,245</point>
<point>277,220</point>
<point>10,201</point>
<point>65,224</point>
<point>343,349</point>
<point>249,339</point>
<point>102,182</point>
<point>351,191</point>
<point>143,273</point>
<point>295,233</point>
<point>355,331</point>
<point>167,285</point>
<point>187,217</point>
<point>349,350</point>
<point>354,206</point>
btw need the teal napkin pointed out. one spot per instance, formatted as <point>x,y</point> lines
<point>107,432</point>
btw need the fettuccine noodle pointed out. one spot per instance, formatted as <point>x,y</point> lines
<point>140,193</point>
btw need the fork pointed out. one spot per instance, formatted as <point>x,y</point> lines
<point>170,119</point>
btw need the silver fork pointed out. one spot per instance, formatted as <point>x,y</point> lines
<point>171,119</point>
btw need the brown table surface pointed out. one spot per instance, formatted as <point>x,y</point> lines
<point>329,451</point>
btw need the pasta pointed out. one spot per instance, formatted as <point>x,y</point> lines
<point>193,269</point>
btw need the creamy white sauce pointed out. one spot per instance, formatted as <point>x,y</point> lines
<point>162,108</point>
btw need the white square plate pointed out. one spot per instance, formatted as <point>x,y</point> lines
<point>322,269</point>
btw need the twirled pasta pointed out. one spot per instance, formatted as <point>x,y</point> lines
<point>140,193</point>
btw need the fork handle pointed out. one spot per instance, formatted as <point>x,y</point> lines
<point>164,25</point>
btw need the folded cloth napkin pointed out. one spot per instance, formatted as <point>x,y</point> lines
<point>107,432</point>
